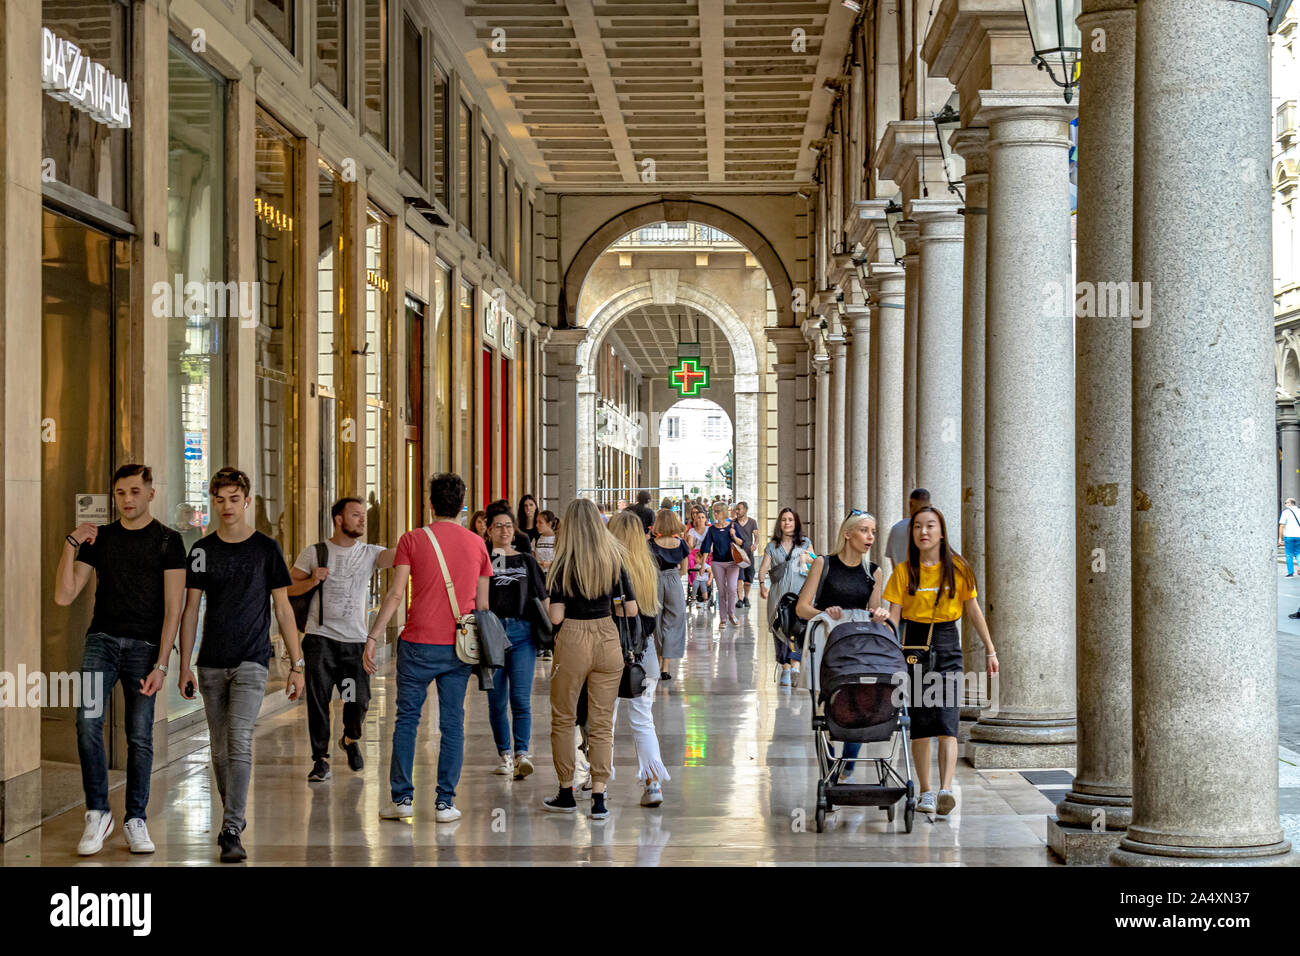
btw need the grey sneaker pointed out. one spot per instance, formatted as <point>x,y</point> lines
<point>926,803</point>
<point>946,802</point>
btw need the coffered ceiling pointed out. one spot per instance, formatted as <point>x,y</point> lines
<point>612,93</point>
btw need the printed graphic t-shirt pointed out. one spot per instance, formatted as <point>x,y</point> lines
<point>237,580</point>
<point>344,591</point>
<point>516,579</point>
<point>921,605</point>
<point>130,600</point>
<point>429,619</point>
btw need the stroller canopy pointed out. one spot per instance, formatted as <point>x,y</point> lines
<point>855,648</point>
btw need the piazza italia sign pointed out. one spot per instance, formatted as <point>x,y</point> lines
<point>69,75</point>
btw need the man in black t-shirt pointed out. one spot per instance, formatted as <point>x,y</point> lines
<point>643,510</point>
<point>139,566</point>
<point>745,527</point>
<point>241,571</point>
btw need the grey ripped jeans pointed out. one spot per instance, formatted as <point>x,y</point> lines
<point>232,697</point>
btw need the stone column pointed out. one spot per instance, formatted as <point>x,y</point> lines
<point>873,431</point>
<point>1029,435</point>
<point>859,409</point>
<point>803,431</point>
<point>889,334</point>
<point>972,145</point>
<point>21,424</point>
<point>785,416</point>
<point>1205,767</point>
<point>909,231</point>
<point>939,358</point>
<point>744,459</point>
<point>1288,424</point>
<point>569,437</point>
<point>821,509</point>
<point>835,457</point>
<point>1090,821</point>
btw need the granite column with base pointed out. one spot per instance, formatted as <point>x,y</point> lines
<point>939,359</point>
<point>838,433</point>
<point>1205,721</point>
<point>1029,434</point>
<point>887,305</point>
<point>972,145</point>
<point>821,509</point>
<point>908,231</point>
<point>1088,824</point>
<point>859,410</point>
<point>1288,425</point>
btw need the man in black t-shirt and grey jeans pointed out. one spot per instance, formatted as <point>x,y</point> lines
<point>242,572</point>
<point>139,566</point>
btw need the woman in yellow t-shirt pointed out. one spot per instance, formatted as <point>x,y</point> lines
<point>928,595</point>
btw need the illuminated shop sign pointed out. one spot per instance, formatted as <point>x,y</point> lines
<point>272,215</point>
<point>376,280</point>
<point>69,75</point>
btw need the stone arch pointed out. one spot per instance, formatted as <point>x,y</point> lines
<point>678,211</point>
<point>745,386</point>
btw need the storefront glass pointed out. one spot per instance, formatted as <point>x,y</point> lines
<point>441,367</point>
<point>330,281</point>
<point>77,149</point>
<point>378,404</point>
<point>463,387</point>
<point>275,393</point>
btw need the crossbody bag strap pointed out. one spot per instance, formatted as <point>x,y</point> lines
<point>322,561</point>
<point>446,576</point>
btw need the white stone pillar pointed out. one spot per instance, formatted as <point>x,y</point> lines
<point>835,458</point>
<point>909,231</point>
<point>873,439</point>
<point>888,334</point>
<point>939,358</point>
<point>1090,821</point>
<point>821,510</point>
<point>570,437</point>
<point>1205,767</point>
<point>1029,434</point>
<point>745,455</point>
<point>785,417</point>
<point>858,317</point>
<point>972,145</point>
<point>804,394</point>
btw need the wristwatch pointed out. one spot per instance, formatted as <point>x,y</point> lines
<point>298,665</point>
<point>160,667</point>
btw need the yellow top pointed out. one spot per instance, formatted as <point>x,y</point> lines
<point>921,605</point>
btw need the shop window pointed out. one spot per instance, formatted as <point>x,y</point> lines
<point>332,47</point>
<point>440,138</point>
<point>378,402</point>
<point>78,150</point>
<point>278,17</point>
<point>441,366</point>
<point>330,299</point>
<point>516,225</point>
<point>412,100</point>
<point>484,232</point>
<point>375,42</point>
<point>462,384</point>
<point>499,211</point>
<point>275,393</point>
<point>464,166</point>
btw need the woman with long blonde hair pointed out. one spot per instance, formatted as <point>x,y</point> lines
<point>588,575</point>
<point>628,528</point>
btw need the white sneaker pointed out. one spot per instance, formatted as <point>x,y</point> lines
<point>507,766</point>
<point>137,836</point>
<point>523,766</point>
<point>926,803</point>
<point>99,824</point>
<point>446,813</point>
<point>581,776</point>
<point>946,802</point>
<point>397,811</point>
<point>653,796</point>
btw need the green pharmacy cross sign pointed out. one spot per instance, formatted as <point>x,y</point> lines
<point>689,377</point>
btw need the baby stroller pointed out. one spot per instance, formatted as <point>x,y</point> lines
<point>699,580</point>
<point>854,667</point>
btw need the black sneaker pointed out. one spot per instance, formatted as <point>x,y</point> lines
<point>562,802</point>
<point>320,770</point>
<point>232,850</point>
<point>598,809</point>
<point>1295,614</point>
<point>355,760</point>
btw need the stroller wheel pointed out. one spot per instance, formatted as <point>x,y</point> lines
<point>821,820</point>
<point>889,813</point>
<point>909,814</point>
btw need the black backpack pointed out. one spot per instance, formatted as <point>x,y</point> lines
<point>301,603</point>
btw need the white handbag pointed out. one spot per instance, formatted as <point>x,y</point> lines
<point>466,624</point>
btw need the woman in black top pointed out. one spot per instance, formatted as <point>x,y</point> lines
<point>587,579</point>
<point>670,553</point>
<point>526,517</point>
<point>516,582</point>
<point>852,583</point>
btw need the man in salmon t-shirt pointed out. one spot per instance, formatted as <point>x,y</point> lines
<point>426,651</point>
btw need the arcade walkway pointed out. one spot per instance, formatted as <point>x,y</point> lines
<point>738,747</point>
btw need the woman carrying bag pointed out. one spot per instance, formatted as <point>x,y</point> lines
<point>628,528</point>
<point>589,573</point>
<point>670,554</point>
<point>516,586</point>
<point>783,561</point>
<point>719,542</point>
<point>929,593</point>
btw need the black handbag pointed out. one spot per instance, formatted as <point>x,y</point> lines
<point>543,629</point>
<point>301,603</point>
<point>787,623</point>
<point>633,642</point>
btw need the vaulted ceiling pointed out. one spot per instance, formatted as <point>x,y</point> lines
<point>649,336</point>
<point>712,92</point>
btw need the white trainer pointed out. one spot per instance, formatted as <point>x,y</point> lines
<point>99,824</point>
<point>946,802</point>
<point>507,766</point>
<point>523,765</point>
<point>137,836</point>
<point>446,813</point>
<point>926,803</point>
<point>397,811</point>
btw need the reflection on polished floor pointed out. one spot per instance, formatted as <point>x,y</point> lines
<point>739,748</point>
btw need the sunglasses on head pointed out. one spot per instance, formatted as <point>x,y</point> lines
<point>857,511</point>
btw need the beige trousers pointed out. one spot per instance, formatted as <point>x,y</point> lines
<point>585,651</point>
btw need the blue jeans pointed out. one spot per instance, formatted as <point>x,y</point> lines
<point>419,665</point>
<point>130,660</point>
<point>1292,546</point>
<point>851,749</point>
<point>513,686</point>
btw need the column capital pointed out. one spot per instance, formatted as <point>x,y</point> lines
<point>971,143</point>
<point>1027,109</point>
<point>938,218</point>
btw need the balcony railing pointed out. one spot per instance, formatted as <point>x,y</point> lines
<point>677,235</point>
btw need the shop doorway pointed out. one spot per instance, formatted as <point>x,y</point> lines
<point>84,285</point>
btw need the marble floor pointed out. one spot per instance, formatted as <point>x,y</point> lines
<point>738,746</point>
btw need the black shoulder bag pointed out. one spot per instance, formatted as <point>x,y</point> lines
<point>633,642</point>
<point>301,603</point>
